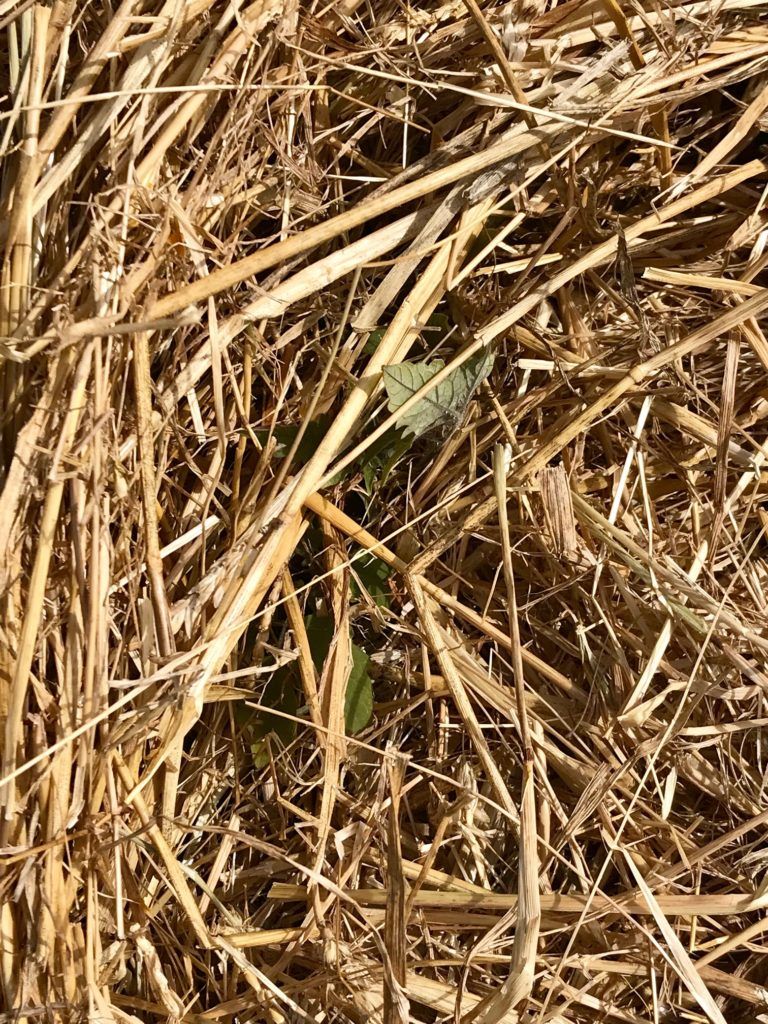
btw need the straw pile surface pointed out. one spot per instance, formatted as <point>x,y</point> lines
<point>383,554</point>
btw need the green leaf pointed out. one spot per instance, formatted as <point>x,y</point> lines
<point>446,403</point>
<point>438,328</point>
<point>373,574</point>
<point>373,341</point>
<point>260,752</point>
<point>319,634</point>
<point>369,475</point>
<point>286,435</point>
<point>378,461</point>
<point>281,694</point>
<point>358,702</point>
<point>310,441</point>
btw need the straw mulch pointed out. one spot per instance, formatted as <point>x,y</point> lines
<point>220,222</point>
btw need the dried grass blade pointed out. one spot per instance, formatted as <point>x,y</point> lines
<point>33,610</point>
<point>333,689</point>
<point>724,427</point>
<point>438,643</point>
<point>558,510</point>
<point>676,954</point>
<point>176,876</point>
<point>720,153</point>
<point>317,503</point>
<point>611,397</point>
<point>516,989</point>
<point>396,1009</point>
<point>283,251</point>
<point>706,904</point>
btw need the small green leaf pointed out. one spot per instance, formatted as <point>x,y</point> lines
<point>396,452</point>
<point>378,461</point>
<point>285,436</point>
<point>446,403</point>
<point>319,634</point>
<point>369,475</point>
<point>281,694</point>
<point>310,441</point>
<point>244,716</point>
<point>373,341</point>
<point>438,328</point>
<point>373,574</point>
<point>260,752</point>
<point>358,704</point>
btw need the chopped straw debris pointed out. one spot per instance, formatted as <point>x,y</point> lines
<point>383,468</point>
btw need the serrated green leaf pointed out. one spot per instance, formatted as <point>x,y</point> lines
<point>446,403</point>
<point>403,380</point>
